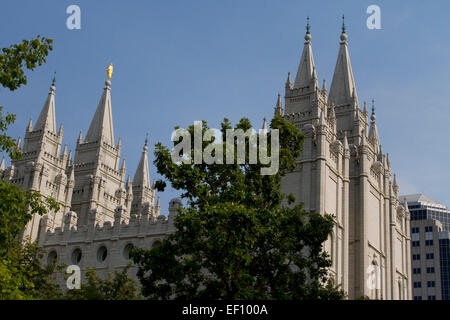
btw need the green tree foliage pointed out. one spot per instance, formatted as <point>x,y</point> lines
<point>117,287</point>
<point>13,61</point>
<point>235,240</point>
<point>21,275</point>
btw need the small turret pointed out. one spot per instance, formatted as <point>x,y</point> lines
<point>279,107</point>
<point>64,153</point>
<point>80,138</point>
<point>324,87</point>
<point>60,131</point>
<point>288,81</point>
<point>69,158</point>
<point>123,167</point>
<point>30,126</point>
<point>264,126</point>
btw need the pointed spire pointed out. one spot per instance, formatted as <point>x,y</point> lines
<point>123,166</point>
<point>47,116</point>
<point>2,164</point>
<point>102,124</point>
<point>19,143</point>
<point>363,137</point>
<point>80,138</point>
<point>129,185</point>
<point>288,81</point>
<point>365,108</point>
<point>119,143</point>
<point>394,184</point>
<point>332,112</point>
<point>30,125</point>
<point>60,131</point>
<point>64,153</point>
<point>324,87</point>
<point>343,89</point>
<point>279,107</point>
<point>264,126</point>
<point>306,68</point>
<point>373,132</point>
<point>72,173</point>
<point>322,119</point>
<point>405,204</point>
<point>346,147</point>
<point>387,160</point>
<point>69,158</point>
<point>142,176</point>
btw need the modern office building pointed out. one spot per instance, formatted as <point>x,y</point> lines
<point>430,247</point>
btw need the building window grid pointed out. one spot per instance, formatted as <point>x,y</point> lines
<point>444,250</point>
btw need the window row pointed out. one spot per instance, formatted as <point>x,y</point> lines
<point>102,254</point>
<point>418,270</point>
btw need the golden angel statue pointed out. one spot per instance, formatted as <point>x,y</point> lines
<point>109,71</point>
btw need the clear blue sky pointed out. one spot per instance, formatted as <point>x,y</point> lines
<point>180,61</point>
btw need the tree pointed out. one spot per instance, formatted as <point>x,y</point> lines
<point>235,239</point>
<point>13,61</point>
<point>119,287</point>
<point>21,274</point>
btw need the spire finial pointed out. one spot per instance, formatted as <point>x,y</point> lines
<point>373,111</point>
<point>308,34</point>
<point>343,34</point>
<point>146,141</point>
<point>109,72</point>
<point>52,87</point>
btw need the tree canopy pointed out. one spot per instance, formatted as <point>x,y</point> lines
<point>236,238</point>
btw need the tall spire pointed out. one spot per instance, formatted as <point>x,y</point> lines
<point>142,176</point>
<point>343,89</point>
<point>102,123</point>
<point>279,107</point>
<point>47,116</point>
<point>306,68</point>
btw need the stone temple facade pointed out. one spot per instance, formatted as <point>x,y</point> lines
<point>342,171</point>
<point>103,214</point>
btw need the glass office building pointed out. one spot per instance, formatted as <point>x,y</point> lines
<point>430,247</point>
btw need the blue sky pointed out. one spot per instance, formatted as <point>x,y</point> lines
<point>180,61</point>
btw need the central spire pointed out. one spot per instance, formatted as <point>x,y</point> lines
<point>343,89</point>
<point>306,69</point>
<point>102,124</point>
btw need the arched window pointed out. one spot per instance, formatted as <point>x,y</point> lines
<point>102,254</point>
<point>156,243</point>
<point>126,251</point>
<point>52,257</point>
<point>76,256</point>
